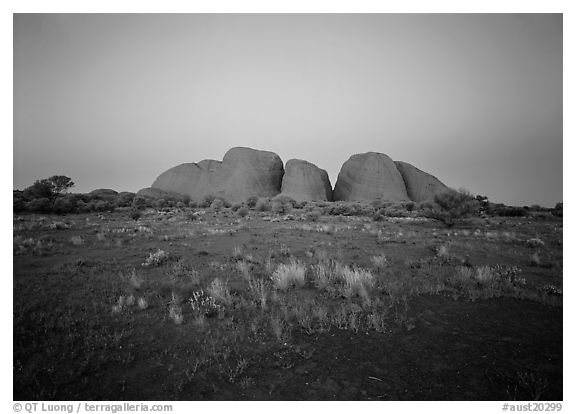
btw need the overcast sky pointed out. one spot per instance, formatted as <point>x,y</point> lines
<point>112,101</point>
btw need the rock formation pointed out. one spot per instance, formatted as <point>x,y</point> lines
<point>420,186</point>
<point>368,177</point>
<point>303,181</point>
<point>242,173</point>
<point>245,172</point>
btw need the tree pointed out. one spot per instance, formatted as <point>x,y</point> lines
<point>60,183</point>
<point>40,189</point>
<point>48,187</point>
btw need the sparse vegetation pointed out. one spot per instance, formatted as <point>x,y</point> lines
<point>222,302</point>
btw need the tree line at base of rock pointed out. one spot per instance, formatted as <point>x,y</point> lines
<point>449,207</point>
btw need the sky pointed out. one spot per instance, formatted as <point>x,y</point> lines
<point>114,100</point>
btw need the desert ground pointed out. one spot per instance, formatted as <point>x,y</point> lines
<point>199,304</point>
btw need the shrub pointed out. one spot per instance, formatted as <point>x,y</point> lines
<point>125,199</point>
<point>82,207</point>
<point>313,215</point>
<point>251,201</point>
<point>207,201</point>
<point>180,205</point>
<point>217,204</point>
<point>77,240</point>
<point>290,274</point>
<point>40,205</point>
<point>300,205</point>
<point>263,204</point>
<point>160,203</point>
<point>534,242</point>
<point>452,207</point>
<point>135,214</point>
<point>558,210</point>
<point>192,204</point>
<point>342,208</point>
<point>139,203</point>
<point>156,259</point>
<point>63,205</point>
<point>395,210</point>
<point>40,189</point>
<point>282,204</point>
<point>18,201</point>
<point>101,205</point>
<point>506,211</point>
<point>242,212</point>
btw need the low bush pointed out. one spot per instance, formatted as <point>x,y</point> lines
<point>452,207</point>
<point>242,212</point>
<point>207,201</point>
<point>506,211</point>
<point>217,204</point>
<point>558,210</point>
<point>125,199</point>
<point>39,205</point>
<point>139,203</point>
<point>263,204</point>
<point>342,208</point>
<point>282,204</point>
<point>160,203</point>
<point>156,259</point>
<point>313,215</point>
<point>251,201</point>
<point>65,205</point>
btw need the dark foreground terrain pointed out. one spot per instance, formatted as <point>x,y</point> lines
<point>212,306</point>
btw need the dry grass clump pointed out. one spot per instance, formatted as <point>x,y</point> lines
<point>279,328</point>
<point>220,292</point>
<point>487,282</point>
<point>443,252</point>
<point>244,269</point>
<point>237,253</point>
<point>290,274</point>
<point>257,288</point>
<point>175,310</point>
<point>142,303</point>
<point>323,274</point>
<point>356,281</point>
<point>484,275</point>
<point>263,204</point>
<point>535,260</point>
<point>380,262</point>
<point>135,280</point>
